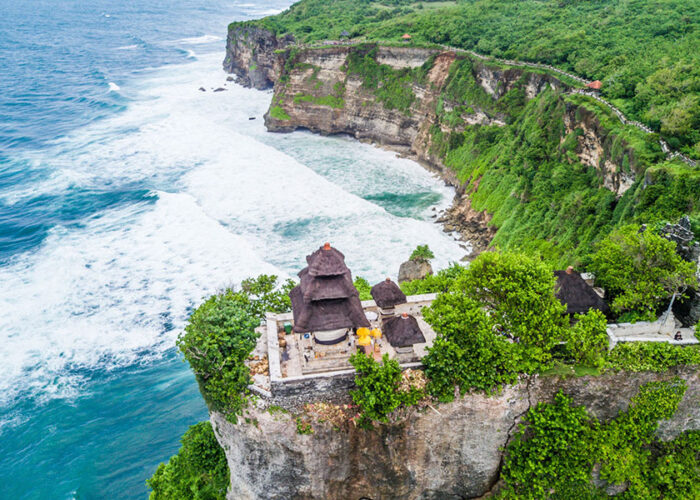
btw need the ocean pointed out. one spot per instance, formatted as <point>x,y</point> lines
<point>127,195</point>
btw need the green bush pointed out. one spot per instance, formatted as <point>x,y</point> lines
<point>639,270</point>
<point>498,318</point>
<point>434,283</point>
<point>378,393</point>
<point>364,288</point>
<point>199,471</point>
<point>422,253</point>
<point>651,356</point>
<point>220,335</point>
<point>587,340</point>
<point>554,451</point>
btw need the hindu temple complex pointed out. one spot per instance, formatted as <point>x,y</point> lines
<point>309,348</point>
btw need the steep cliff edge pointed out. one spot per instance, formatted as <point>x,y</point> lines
<point>453,451</point>
<point>451,112</point>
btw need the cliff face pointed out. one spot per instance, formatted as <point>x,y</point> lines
<point>317,89</point>
<point>594,145</point>
<point>251,56</point>
<point>451,452</point>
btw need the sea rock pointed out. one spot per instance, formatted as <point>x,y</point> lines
<point>219,89</point>
<point>452,451</point>
<point>414,270</point>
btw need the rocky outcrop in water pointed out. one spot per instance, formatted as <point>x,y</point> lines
<point>452,451</point>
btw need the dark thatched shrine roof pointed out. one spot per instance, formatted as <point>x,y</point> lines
<point>387,294</point>
<point>402,331</point>
<point>326,261</point>
<point>323,288</point>
<point>576,294</point>
<point>326,314</point>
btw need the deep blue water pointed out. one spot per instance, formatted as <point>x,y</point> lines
<point>127,195</point>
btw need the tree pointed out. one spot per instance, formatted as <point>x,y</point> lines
<point>422,253</point>
<point>639,270</point>
<point>220,335</point>
<point>587,340</point>
<point>199,470</point>
<point>498,318</point>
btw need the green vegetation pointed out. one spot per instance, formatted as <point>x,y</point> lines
<point>220,335</point>
<point>392,87</point>
<point>553,454</point>
<point>326,100</point>
<point>422,253</point>
<point>587,341</point>
<point>378,390</point>
<point>199,470</point>
<point>498,319</point>
<point>278,113</point>
<point>651,356</point>
<point>363,288</point>
<point>644,52</point>
<point>639,270</point>
<point>441,281</point>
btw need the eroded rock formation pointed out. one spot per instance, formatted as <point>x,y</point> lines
<point>452,451</point>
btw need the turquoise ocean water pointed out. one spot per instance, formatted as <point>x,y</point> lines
<point>127,195</point>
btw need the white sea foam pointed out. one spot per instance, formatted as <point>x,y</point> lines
<point>231,201</point>
<point>197,40</point>
<point>127,47</point>
<point>113,87</point>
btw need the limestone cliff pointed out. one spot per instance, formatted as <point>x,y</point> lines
<point>314,89</point>
<point>453,451</point>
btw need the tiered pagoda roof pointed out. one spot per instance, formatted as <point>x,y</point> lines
<point>403,331</point>
<point>326,298</point>
<point>387,294</point>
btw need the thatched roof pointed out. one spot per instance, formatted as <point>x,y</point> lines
<point>323,288</point>
<point>402,331</point>
<point>326,314</point>
<point>326,261</point>
<point>387,294</point>
<point>576,294</point>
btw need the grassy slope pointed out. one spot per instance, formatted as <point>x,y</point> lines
<point>644,51</point>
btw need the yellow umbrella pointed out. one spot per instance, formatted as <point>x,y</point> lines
<point>376,333</point>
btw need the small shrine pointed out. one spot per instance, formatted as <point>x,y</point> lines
<point>387,295</point>
<point>326,309</point>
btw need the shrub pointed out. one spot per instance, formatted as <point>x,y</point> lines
<point>198,471</point>
<point>639,270</point>
<point>434,283</point>
<point>499,317</point>
<point>378,388</point>
<point>553,453</point>
<point>587,341</point>
<point>422,253</point>
<point>651,356</point>
<point>363,287</point>
<point>219,336</point>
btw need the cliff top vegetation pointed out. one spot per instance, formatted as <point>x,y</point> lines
<point>645,53</point>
